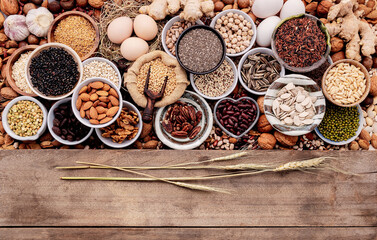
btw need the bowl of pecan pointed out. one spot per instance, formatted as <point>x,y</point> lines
<point>185,124</point>
<point>125,130</point>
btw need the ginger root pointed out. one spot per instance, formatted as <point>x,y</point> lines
<point>192,9</point>
<point>345,22</point>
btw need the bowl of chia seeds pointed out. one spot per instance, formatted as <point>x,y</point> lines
<point>53,71</point>
<point>200,49</point>
<point>301,43</point>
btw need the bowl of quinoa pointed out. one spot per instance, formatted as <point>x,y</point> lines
<point>101,67</point>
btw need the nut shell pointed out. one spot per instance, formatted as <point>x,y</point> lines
<point>266,141</point>
<point>285,140</point>
<point>263,125</point>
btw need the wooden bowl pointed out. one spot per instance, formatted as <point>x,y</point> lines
<point>50,34</point>
<point>8,69</point>
<point>362,68</point>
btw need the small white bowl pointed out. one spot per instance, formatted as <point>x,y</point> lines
<point>243,59</point>
<point>6,124</point>
<point>50,124</point>
<point>50,45</point>
<point>100,59</point>
<point>248,18</point>
<point>125,143</point>
<point>167,26</point>
<point>229,91</point>
<point>77,112</point>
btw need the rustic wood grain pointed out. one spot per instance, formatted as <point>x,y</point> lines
<point>362,233</point>
<point>31,193</point>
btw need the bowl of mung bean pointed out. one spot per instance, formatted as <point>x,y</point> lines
<point>15,70</point>
<point>171,31</point>
<point>340,125</point>
<point>101,67</point>
<point>25,118</point>
<point>258,69</point>
<point>53,71</point>
<point>77,30</point>
<point>217,84</point>
<point>346,83</point>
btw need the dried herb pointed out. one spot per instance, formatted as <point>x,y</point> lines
<point>300,42</point>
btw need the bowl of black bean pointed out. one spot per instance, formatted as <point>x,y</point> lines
<point>64,126</point>
<point>200,49</point>
<point>53,71</point>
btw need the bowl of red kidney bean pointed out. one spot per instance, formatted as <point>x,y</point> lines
<point>236,117</point>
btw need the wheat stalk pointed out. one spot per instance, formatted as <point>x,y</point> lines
<point>306,164</point>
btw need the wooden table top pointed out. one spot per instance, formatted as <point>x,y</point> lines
<point>36,204</point>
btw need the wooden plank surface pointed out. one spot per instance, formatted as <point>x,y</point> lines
<point>33,195</point>
<point>362,233</point>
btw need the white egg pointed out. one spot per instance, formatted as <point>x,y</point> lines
<point>145,27</point>
<point>292,7</point>
<point>266,8</point>
<point>120,29</point>
<point>133,47</point>
<point>265,29</point>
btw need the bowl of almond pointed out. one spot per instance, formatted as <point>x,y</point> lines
<point>97,102</point>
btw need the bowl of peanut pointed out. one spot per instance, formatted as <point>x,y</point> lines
<point>97,102</point>
<point>346,83</point>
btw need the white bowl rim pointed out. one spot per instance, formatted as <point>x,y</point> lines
<point>253,51</point>
<point>236,100</point>
<point>101,59</point>
<point>125,143</point>
<point>229,91</point>
<point>75,96</point>
<point>72,53</point>
<point>361,127</point>
<point>165,30</point>
<point>6,124</point>
<point>248,18</point>
<point>50,119</point>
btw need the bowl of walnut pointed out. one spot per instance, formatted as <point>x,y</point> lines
<point>125,130</point>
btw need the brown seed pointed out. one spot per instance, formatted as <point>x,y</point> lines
<point>87,114</point>
<point>93,113</point>
<point>92,91</point>
<point>101,116</point>
<point>113,92</point>
<point>109,105</point>
<point>105,120</point>
<point>78,103</point>
<point>104,99</point>
<point>112,111</point>
<point>94,121</point>
<point>84,96</point>
<point>114,101</point>
<point>101,109</point>
<point>106,87</point>
<point>83,89</point>
<point>93,97</point>
<point>102,93</point>
<point>96,85</point>
<point>87,105</point>
<point>95,104</point>
<point>102,104</point>
<point>82,113</point>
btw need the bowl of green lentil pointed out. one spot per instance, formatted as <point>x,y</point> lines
<point>53,71</point>
<point>103,68</point>
<point>340,125</point>
<point>25,118</point>
<point>218,84</point>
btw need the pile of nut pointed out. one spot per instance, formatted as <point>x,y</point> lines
<point>181,120</point>
<point>173,33</point>
<point>124,128</point>
<point>236,31</point>
<point>294,106</point>
<point>98,102</point>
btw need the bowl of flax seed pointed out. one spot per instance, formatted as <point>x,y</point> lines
<point>76,30</point>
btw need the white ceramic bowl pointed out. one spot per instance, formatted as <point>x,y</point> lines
<point>248,18</point>
<point>6,124</point>
<point>185,143</point>
<point>100,59</point>
<point>77,112</point>
<point>229,91</point>
<point>167,27</point>
<point>243,59</point>
<point>50,124</point>
<point>125,143</point>
<point>361,126</point>
<point>50,45</point>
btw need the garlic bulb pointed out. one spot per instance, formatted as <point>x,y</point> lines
<point>38,21</point>
<point>15,27</point>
